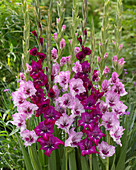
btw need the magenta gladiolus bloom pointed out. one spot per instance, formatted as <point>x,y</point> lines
<point>80,40</point>
<point>89,102</point>
<point>51,114</point>
<point>80,56</point>
<point>86,147</point>
<point>41,40</point>
<point>44,128</point>
<point>86,67</point>
<point>49,143</point>
<point>86,50</point>
<point>41,56</point>
<point>87,120</point>
<point>95,135</point>
<point>33,51</point>
<point>36,67</point>
<point>34,33</point>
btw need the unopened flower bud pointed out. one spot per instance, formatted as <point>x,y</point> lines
<point>120,46</point>
<point>98,59</point>
<point>105,55</point>
<point>58,20</point>
<point>63,27</point>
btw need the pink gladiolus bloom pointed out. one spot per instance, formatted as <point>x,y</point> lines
<point>62,43</point>
<point>66,100</point>
<point>95,76</point>
<point>57,91</point>
<point>121,62</point>
<point>115,59</point>
<point>18,98</point>
<point>44,128</point>
<point>29,68</point>
<point>112,98</point>
<point>27,88</point>
<point>103,107</point>
<point>27,108</point>
<point>70,41</point>
<point>105,86</point>
<point>22,77</point>
<point>55,69</point>
<point>110,120</point>
<point>77,108</point>
<point>116,132</point>
<point>5,90</point>
<point>119,88</point>
<point>64,122</point>
<point>63,61</point>
<point>77,68</point>
<point>114,78</point>
<point>63,79</point>
<point>29,137</point>
<point>76,50</point>
<point>19,120</point>
<point>105,150</point>
<point>106,70</point>
<point>74,138</point>
<point>76,86</point>
<point>33,51</point>
<point>55,36</point>
<point>68,58</point>
<point>54,54</point>
<point>120,108</point>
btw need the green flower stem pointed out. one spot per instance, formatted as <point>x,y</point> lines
<point>26,33</point>
<point>66,158</point>
<point>104,37</point>
<point>90,162</point>
<point>49,64</point>
<point>92,35</point>
<point>75,22</point>
<point>34,157</point>
<point>85,18</point>
<point>33,152</point>
<point>118,27</point>
<point>61,13</point>
<point>107,159</point>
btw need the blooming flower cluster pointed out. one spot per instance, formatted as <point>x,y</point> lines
<point>113,107</point>
<point>71,102</point>
<point>25,110</point>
